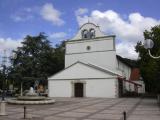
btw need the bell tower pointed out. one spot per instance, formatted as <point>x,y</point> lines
<point>90,45</point>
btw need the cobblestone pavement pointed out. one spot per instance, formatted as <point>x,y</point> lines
<point>88,109</point>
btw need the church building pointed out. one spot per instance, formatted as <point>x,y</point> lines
<point>92,68</point>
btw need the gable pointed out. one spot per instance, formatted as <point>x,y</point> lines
<point>88,26</point>
<point>82,71</point>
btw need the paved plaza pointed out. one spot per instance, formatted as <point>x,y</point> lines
<point>88,109</point>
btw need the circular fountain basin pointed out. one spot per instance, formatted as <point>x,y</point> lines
<point>31,98</point>
<point>31,101</point>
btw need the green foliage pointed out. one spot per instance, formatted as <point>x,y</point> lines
<point>149,67</point>
<point>1,79</point>
<point>36,60</point>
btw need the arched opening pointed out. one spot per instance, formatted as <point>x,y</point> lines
<point>92,33</point>
<point>78,89</point>
<point>85,34</point>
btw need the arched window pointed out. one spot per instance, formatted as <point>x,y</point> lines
<point>85,34</point>
<point>92,33</point>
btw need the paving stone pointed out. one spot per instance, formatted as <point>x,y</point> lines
<point>146,112</point>
<point>88,109</point>
<point>88,119</point>
<point>17,109</point>
<point>85,110</point>
<point>15,116</point>
<point>112,111</point>
<point>94,108</point>
<point>144,117</point>
<point>10,112</point>
<point>72,114</point>
<point>43,113</point>
<point>106,116</point>
<point>120,109</point>
<point>147,108</point>
<point>55,109</point>
<point>58,118</point>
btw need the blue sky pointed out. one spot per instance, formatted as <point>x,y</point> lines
<point>60,20</point>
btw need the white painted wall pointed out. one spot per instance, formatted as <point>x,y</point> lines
<point>105,59</point>
<point>60,88</point>
<point>126,73</point>
<point>94,88</point>
<point>81,71</point>
<point>102,44</point>
<point>129,86</point>
<point>102,50</point>
<point>126,69</point>
<point>101,88</point>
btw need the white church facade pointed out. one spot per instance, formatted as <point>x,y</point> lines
<point>92,68</point>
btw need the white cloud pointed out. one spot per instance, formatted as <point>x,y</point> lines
<point>129,31</point>
<point>6,47</point>
<point>23,14</point>
<point>21,18</point>
<point>81,11</point>
<point>51,14</point>
<point>9,44</point>
<point>58,35</point>
<point>127,50</point>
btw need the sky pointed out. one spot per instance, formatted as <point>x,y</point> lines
<point>61,19</point>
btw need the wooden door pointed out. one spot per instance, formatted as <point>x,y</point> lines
<point>78,89</point>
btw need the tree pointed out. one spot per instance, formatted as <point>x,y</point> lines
<point>149,67</point>
<point>1,80</point>
<point>59,56</point>
<point>36,60</point>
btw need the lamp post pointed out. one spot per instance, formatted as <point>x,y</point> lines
<point>148,44</point>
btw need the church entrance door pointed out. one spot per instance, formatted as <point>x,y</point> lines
<point>78,89</point>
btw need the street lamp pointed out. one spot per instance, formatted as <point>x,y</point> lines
<point>148,44</point>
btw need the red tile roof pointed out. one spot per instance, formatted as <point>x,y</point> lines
<point>135,74</point>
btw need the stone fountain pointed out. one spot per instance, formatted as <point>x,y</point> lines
<point>31,97</point>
